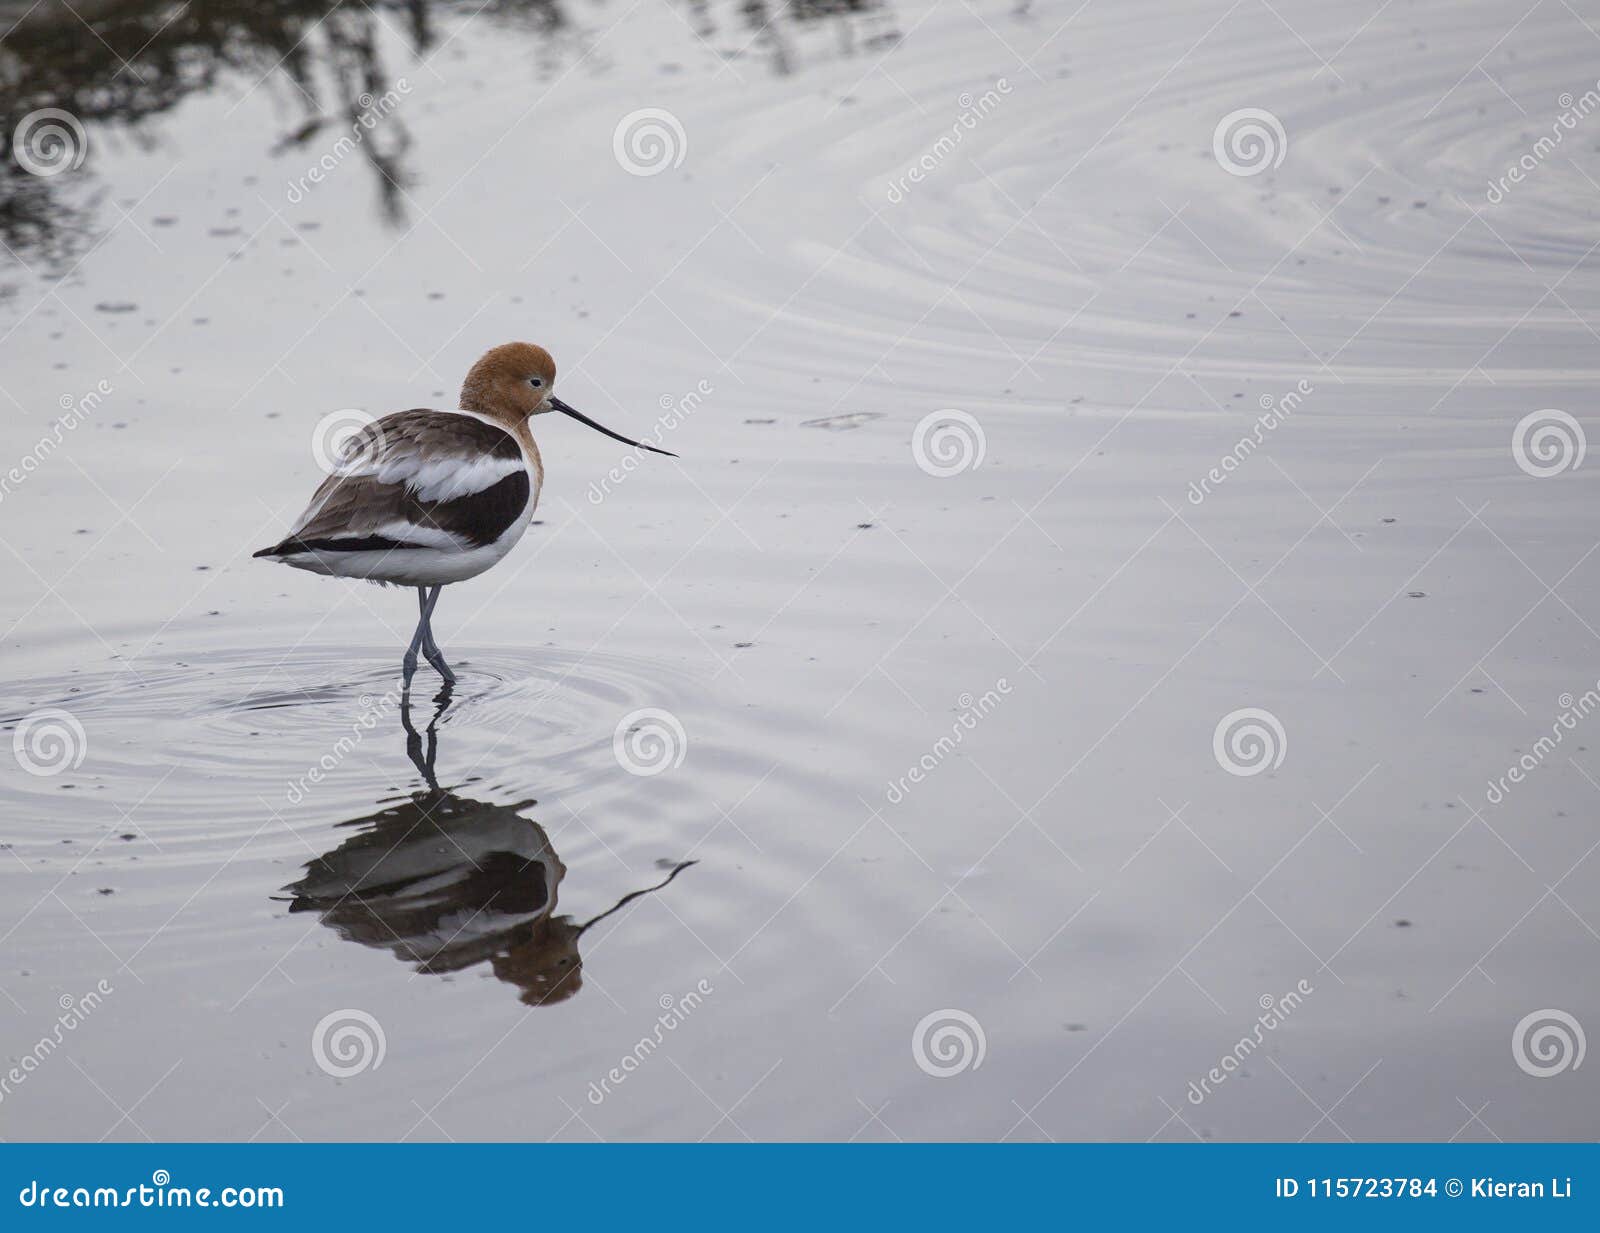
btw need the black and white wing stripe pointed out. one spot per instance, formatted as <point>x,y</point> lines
<point>422,479</point>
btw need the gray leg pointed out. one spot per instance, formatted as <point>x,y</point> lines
<point>430,648</point>
<point>408,664</point>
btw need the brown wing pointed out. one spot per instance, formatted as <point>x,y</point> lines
<point>415,479</point>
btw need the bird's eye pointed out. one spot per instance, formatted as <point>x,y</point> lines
<point>536,382</point>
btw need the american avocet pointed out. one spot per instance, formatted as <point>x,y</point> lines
<point>424,498</point>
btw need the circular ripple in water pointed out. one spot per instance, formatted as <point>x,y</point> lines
<point>1083,231</point>
<point>200,753</point>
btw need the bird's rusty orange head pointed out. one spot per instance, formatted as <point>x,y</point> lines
<point>510,382</point>
<point>516,380</point>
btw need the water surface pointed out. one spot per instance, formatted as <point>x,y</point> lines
<point>948,741</point>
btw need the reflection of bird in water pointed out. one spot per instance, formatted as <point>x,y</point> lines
<point>445,882</point>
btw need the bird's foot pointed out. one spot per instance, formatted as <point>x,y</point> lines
<point>436,658</point>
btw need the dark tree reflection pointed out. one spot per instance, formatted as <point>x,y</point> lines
<point>116,64</point>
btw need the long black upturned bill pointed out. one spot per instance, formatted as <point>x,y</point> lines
<point>617,436</point>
